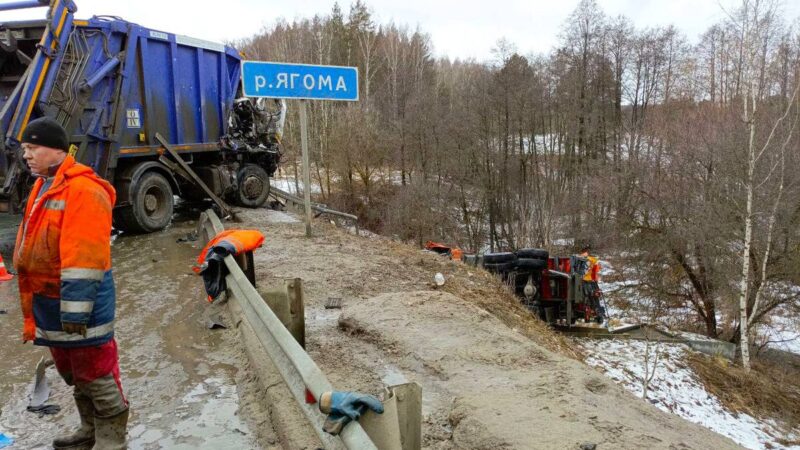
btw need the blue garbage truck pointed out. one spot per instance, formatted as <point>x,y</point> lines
<point>115,85</point>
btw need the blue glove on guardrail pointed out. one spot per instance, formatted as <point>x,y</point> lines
<point>343,407</point>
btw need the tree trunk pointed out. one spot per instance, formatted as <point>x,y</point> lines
<point>744,343</point>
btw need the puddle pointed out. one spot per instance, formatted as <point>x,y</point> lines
<point>208,418</point>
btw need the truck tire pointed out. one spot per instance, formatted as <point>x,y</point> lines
<point>151,205</point>
<point>530,265</point>
<point>501,268</point>
<point>533,253</point>
<point>498,258</point>
<point>253,186</point>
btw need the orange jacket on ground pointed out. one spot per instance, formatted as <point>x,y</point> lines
<point>63,257</point>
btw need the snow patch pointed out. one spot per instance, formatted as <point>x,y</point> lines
<point>288,185</point>
<point>782,333</point>
<point>675,388</point>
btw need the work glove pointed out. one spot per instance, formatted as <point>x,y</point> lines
<point>343,407</point>
<point>74,328</point>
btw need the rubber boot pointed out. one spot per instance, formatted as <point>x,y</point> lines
<point>110,432</point>
<point>83,437</point>
<point>110,413</point>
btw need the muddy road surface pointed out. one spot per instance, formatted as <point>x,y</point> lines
<point>188,385</point>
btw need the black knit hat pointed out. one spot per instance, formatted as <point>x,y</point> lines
<point>46,132</point>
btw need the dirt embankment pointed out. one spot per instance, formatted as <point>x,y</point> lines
<point>492,376</point>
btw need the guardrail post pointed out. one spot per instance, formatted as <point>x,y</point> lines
<point>286,300</point>
<point>400,425</point>
<point>245,261</point>
<point>297,311</point>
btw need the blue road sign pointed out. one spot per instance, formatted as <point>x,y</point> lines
<point>299,81</point>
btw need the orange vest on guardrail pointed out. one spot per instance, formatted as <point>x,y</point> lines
<point>234,241</point>
<point>209,262</point>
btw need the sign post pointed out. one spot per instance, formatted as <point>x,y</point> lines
<point>306,164</point>
<point>302,82</point>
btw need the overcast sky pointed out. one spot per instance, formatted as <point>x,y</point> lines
<point>463,29</point>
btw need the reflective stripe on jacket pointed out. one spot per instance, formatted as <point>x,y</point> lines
<point>63,257</point>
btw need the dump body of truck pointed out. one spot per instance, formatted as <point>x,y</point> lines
<point>113,85</point>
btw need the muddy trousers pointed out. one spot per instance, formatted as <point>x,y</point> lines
<point>103,409</point>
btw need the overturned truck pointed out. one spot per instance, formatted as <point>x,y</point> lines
<point>114,85</point>
<point>551,287</point>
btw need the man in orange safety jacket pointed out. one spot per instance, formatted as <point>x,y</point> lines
<point>590,284</point>
<point>63,258</point>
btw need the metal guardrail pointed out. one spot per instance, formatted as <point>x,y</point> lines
<point>316,207</point>
<point>296,367</point>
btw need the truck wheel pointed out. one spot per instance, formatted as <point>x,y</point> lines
<point>531,265</point>
<point>533,253</point>
<point>499,258</point>
<point>253,187</point>
<point>501,268</point>
<point>151,205</point>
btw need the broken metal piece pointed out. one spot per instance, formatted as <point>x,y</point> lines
<point>226,210</point>
<point>5,441</point>
<point>44,410</point>
<point>333,303</point>
<point>214,323</point>
<point>41,389</point>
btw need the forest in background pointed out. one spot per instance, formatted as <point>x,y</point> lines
<point>679,155</point>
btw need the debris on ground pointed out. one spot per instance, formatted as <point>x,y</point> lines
<point>44,410</point>
<point>191,237</point>
<point>333,303</point>
<point>41,388</point>
<point>214,323</point>
<point>5,441</point>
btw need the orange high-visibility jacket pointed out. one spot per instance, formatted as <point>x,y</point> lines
<point>209,263</point>
<point>63,257</point>
<point>593,270</point>
<point>232,242</point>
